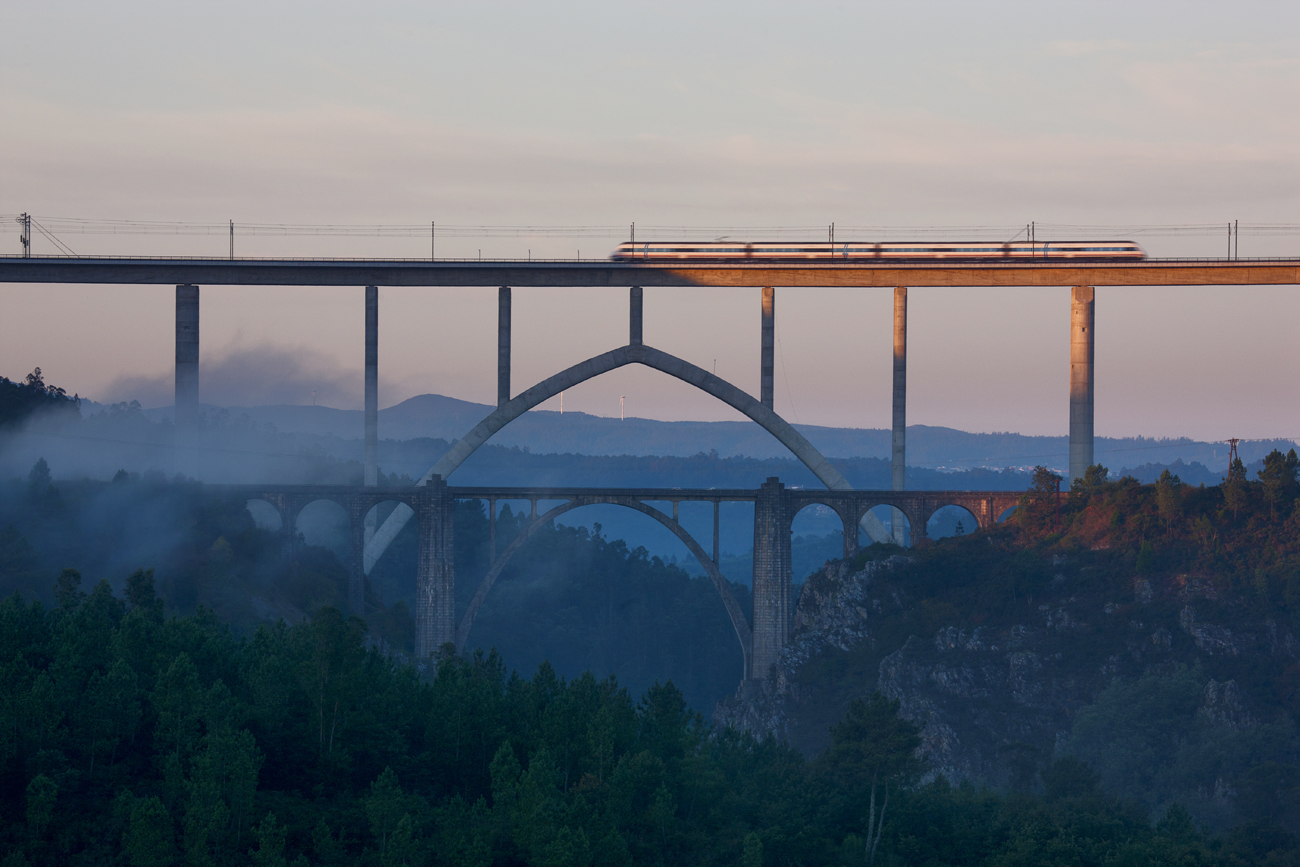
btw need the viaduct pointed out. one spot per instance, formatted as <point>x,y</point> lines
<point>430,501</point>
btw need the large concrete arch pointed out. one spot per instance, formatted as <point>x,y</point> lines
<point>738,621</point>
<point>593,367</point>
<point>665,363</point>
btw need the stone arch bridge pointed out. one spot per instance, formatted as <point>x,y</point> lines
<point>761,635</point>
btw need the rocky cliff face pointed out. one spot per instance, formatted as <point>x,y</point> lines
<point>986,693</point>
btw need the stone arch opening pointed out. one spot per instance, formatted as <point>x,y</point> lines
<point>324,523</point>
<point>817,535</point>
<point>950,520</point>
<point>893,519</point>
<point>265,515</point>
<point>1006,514</point>
<point>738,621</point>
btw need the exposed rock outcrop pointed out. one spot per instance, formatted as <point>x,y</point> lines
<point>984,692</point>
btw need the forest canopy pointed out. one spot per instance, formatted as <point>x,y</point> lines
<point>131,737</point>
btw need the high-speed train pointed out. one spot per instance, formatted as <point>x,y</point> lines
<point>839,251</point>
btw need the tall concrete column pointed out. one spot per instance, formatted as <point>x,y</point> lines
<point>1081,363</point>
<point>503,346</point>
<point>900,404</point>
<point>435,580</point>
<point>772,573</point>
<point>634,323</point>
<point>187,357</point>
<point>372,389</point>
<point>768,345</point>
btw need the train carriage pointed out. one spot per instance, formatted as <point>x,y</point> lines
<point>848,251</point>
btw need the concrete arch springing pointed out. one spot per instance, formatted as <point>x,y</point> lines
<point>737,617</point>
<point>593,367</point>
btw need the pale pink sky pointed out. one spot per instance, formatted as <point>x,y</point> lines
<point>754,114</point>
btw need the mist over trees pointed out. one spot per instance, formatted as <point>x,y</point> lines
<point>175,692</point>
<point>21,400</point>
<point>132,737</point>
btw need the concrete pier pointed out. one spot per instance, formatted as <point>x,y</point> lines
<point>503,346</point>
<point>634,323</point>
<point>772,570</point>
<point>187,357</point>
<point>372,391</point>
<point>435,580</point>
<point>900,404</point>
<point>767,368</point>
<point>1082,348</point>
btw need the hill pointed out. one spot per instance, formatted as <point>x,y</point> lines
<point>432,416</point>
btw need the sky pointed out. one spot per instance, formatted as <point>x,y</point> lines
<point>715,117</point>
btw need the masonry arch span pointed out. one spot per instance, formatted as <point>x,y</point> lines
<point>953,519</point>
<point>902,521</point>
<point>265,514</point>
<point>737,617</point>
<point>324,522</point>
<point>813,525</point>
<point>676,367</point>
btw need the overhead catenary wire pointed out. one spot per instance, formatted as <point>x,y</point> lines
<point>1003,232</point>
<point>483,242</point>
<point>48,234</point>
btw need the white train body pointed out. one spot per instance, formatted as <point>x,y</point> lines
<point>848,251</point>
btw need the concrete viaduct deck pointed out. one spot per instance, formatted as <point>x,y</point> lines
<point>761,635</point>
<point>414,272</point>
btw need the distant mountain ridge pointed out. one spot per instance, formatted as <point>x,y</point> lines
<point>437,416</point>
